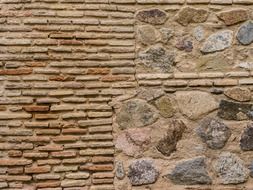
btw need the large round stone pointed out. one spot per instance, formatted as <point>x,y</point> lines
<point>136,113</point>
<point>214,133</point>
<point>190,172</point>
<point>238,93</point>
<point>152,16</point>
<point>195,104</point>
<point>157,58</point>
<point>245,33</point>
<point>191,15</point>
<point>218,41</point>
<point>246,141</point>
<point>142,172</point>
<point>165,106</point>
<point>147,34</point>
<point>230,169</point>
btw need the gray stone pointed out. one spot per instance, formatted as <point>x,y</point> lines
<point>168,143</point>
<point>238,93</point>
<point>251,170</point>
<point>165,106</point>
<point>150,94</point>
<point>142,171</point>
<point>218,41</point>
<point>198,33</point>
<point>166,34</point>
<point>214,133</point>
<point>194,104</point>
<point>152,16</point>
<point>158,59</point>
<point>245,33</point>
<point>136,113</point>
<point>235,111</point>
<point>190,172</point>
<point>185,45</point>
<point>120,171</point>
<point>246,141</point>
<point>191,15</point>
<point>147,34</point>
<point>230,169</point>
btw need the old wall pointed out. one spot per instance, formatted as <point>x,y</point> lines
<point>126,94</point>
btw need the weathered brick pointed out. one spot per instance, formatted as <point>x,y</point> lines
<point>36,108</point>
<point>14,162</point>
<point>37,169</point>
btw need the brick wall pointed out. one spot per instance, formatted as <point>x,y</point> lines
<point>126,94</point>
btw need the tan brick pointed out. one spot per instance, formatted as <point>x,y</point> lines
<point>37,169</point>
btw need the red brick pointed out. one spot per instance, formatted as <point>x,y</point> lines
<point>36,108</point>
<point>16,71</point>
<point>37,169</point>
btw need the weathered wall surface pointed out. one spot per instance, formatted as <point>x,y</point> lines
<point>126,94</point>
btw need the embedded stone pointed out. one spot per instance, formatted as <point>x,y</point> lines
<point>136,113</point>
<point>245,33</point>
<point>185,45</point>
<point>165,106</point>
<point>218,41</point>
<point>194,104</point>
<point>120,171</point>
<point>191,15</point>
<point>158,59</point>
<point>198,33</point>
<point>166,34</point>
<point>238,93</point>
<point>246,141</point>
<point>147,34</point>
<point>142,172</point>
<point>251,170</point>
<point>152,16</point>
<point>230,169</point>
<point>190,172</point>
<point>235,111</point>
<point>214,133</point>
<point>233,16</point>
<point>168,143</point>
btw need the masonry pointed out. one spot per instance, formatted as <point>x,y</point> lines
<point>126,94</point>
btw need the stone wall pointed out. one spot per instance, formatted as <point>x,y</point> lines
<point>126,94</point>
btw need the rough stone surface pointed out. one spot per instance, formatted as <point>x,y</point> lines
<point>120,171</point>
<point>185,45</point>
<point>214,133</point>
<point>148,34</point>
<point>251,169</point>
<point>166,34</point>
<point>152,16</point>
<point>245,33</point>
<point>246,141</point>
<point>198,33</point>
<point>235,111</point>
<point>231,169</point>
<point>233,16</point>
<point>157,58</point>
<point>165,106</point>
<point>218,41</point>
<point>136,113</point>
<point>238,93</point>
<point>190,172</point>
<point>191,15</point>
<point>168,143</point>
<point>142,172</point>
<point>193,104</point>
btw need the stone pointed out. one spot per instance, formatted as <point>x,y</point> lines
<point>142,172</point>
<point>198,33</point>
<point>214,133</point>
<point>218,41</point>
<point>190,172</point>
<point>245,33</point>
<point>235,111</point>
<point>251,170</point>
<point>168,143</point>
<point>165,106</point>
<point>230,169</point>
<point>238,93</point>
<point>185,45</point>
<point>120,171</point>
<point>147,34</point>
<point>246,141</point>
<point>150,94</point>
<point>189,15</point>
<point>136,113</point>
<point>194,104</point>
<point>166,34</point>
<point>152,16</point>
<point>157,58</point>
<point>233,16</point>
